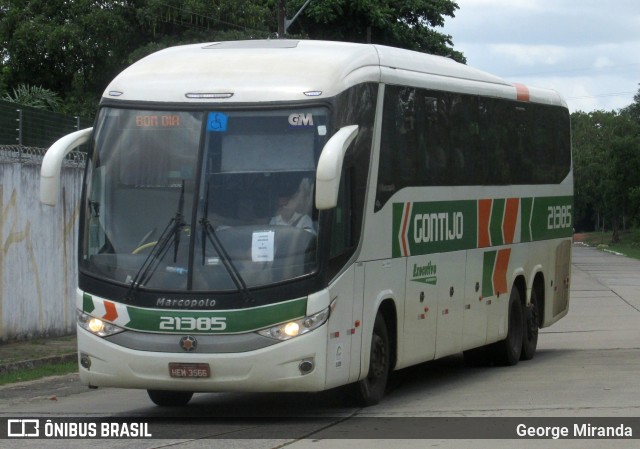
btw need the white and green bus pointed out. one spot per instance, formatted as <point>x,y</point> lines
<point>285,215</point>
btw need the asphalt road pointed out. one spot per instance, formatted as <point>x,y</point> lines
<point>587,365</point>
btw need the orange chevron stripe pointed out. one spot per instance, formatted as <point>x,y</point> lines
<point>522,92</point>
<point>112,313</point>
<point>500,271</point>
<point>405,225</point>
<point>510,219</point>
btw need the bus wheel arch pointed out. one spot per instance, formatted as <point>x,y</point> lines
<point>388,311</point>
<point>507,352</point>
<point>533,317</point>
<point>382,357</point>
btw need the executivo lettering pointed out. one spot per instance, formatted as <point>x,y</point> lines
<point>425,274</point>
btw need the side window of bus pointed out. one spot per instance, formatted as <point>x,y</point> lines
<point>437,138</point>
<point>398,163</point>
<point>341,235</point>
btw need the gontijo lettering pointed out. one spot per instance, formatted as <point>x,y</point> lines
<point>437,227</point>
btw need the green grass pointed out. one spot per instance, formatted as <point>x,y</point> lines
<point>629,244</point>
<point>39,372</point>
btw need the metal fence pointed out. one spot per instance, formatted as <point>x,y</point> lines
<point>34,156</point>
<point>31,127</point>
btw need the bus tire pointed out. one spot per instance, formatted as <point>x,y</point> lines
<point>370,390</point>
<point>165,398</point>
<point>531,325</point>
<point>507,352</point>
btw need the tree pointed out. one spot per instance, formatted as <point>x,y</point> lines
<point>400,23</point>
<point>34,96</point>
<point>591,132</point>
<point>76,47</point>
<point>71,47</point>
<point>606,148</point>
<point>634,109</point>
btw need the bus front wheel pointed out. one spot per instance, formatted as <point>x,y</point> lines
<point>166,398</point>
<point>370,390</point>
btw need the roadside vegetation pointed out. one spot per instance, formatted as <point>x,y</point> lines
<point>628,242</point>
<point>53,355</point>
<point>24,375</point>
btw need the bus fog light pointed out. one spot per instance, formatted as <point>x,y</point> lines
<point>292,329</point>
<point>85,361</point>
<point>306,366</point>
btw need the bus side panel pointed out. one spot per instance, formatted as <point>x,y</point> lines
<point>497,280</point>
<point>562,277</point>
<point>451,281</point>
<point>356,339</point>
<point>421,310</point>
<point>383,280</point>
<point>339,344</point>
<point>474,331</point>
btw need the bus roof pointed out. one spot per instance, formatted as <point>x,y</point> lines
<point>288,70</point>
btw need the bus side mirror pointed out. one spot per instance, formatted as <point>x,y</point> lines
<point>330,167</point>
<point>52,164</point>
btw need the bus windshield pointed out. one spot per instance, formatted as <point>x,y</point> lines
<point>203,201</point>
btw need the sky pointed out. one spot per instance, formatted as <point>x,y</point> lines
<point>587,50</point>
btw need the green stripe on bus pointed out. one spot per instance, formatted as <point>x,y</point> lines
<point>398,208</point>
<point>488,263</point>
<point>495,225</point>
<point>525,230</point>
<point>442,226</point>
<point>211,322</point>
<point>87,303</point>
<point>552,217</point>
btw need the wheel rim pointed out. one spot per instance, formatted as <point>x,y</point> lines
<point>378,358</point>
<point>532,323</point>
<point>515,323</point>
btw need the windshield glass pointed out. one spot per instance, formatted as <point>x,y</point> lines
<point>202,201</point>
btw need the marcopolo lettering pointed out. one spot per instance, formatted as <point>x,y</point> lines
<point>438,227</point>
<point>186,303</point>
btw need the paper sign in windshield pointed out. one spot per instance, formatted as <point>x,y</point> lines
<point>262,246</point>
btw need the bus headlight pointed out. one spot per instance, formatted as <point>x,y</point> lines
<point>96,326</point>
<point>285,331</point>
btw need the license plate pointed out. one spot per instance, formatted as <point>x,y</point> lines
<point>191,370</point>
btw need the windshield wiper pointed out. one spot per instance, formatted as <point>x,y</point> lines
<point>209,233</point>
<point>170,234</point>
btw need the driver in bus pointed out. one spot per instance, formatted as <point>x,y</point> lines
<point>294,205</point>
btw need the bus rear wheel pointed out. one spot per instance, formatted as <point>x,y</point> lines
<point>531,325</point>
<point>166,398</point>
<point>370,390</point>
<point>507,352</point>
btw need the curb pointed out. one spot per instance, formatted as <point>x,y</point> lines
<point>31,364</point>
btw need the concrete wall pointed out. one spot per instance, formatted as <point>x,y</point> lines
<point>38,254</point>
